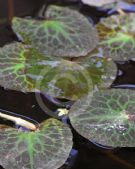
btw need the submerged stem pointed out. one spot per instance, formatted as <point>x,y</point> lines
<point>19,121</point>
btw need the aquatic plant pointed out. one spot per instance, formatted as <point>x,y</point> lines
<point>117,36</point>
<point>48,147</point>
<point>48,60</point>
<point>112,6</point>
<point>103,71</point>
<point>99,3</point>
<point>24,69</point>
<point>62,32</point>
<point>27,70</point>
<point>106,117</point>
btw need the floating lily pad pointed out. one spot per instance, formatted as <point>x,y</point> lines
<point>117,36</point>
<point>24,69</point>
<point>98,3</point>
<point>46,148</point>
<point>102,71</point>
<point>122,6</point>
<point>63,32</point>
<point>14,66</point>
<point>106,117</point>
<point>108,73</point>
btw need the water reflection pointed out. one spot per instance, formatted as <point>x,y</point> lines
<point>71,160</point>
<point>102,146</point>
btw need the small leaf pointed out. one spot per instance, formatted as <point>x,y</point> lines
<point>106,117</point>
<point>117,36</point>
<point>98,3</point>
<point>102,71</point>
<point>46,148</point>
<point>63,32</point>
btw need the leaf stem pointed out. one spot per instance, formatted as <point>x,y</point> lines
<point>19,121</point>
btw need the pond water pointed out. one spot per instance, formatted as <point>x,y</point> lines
<point>85,154</point>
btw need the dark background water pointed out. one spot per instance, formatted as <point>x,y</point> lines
<point>89,156</point>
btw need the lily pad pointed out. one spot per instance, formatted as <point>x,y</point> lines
<point>106,117</point>
<point>62,32</point>
<point>122,6</point>
<point>46,148</point>
<point>102,71</point>
<point>117,36</point>
<point>98,3</point>
<point>24,69</point>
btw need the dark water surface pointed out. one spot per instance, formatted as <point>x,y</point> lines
<point>87,155</point>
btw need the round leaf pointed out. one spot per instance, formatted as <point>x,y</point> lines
<point>102,71</point>
<point>106,117</point>
<point>46,148</point>
<point>117,36</point>
<point>98,3</point>
<point>63,32</point>
<point>24,69</point>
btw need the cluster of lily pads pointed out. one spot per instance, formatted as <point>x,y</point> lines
<point>65,56</point>
<point>58,56</point>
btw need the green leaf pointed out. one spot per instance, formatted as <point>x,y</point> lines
<point>106,117</point>
<point>46,148</point>
<point>63,32</point>
<point>13,65</point>
<point>117,36</point>
<point>24,69</point>
<point>102,71</point>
